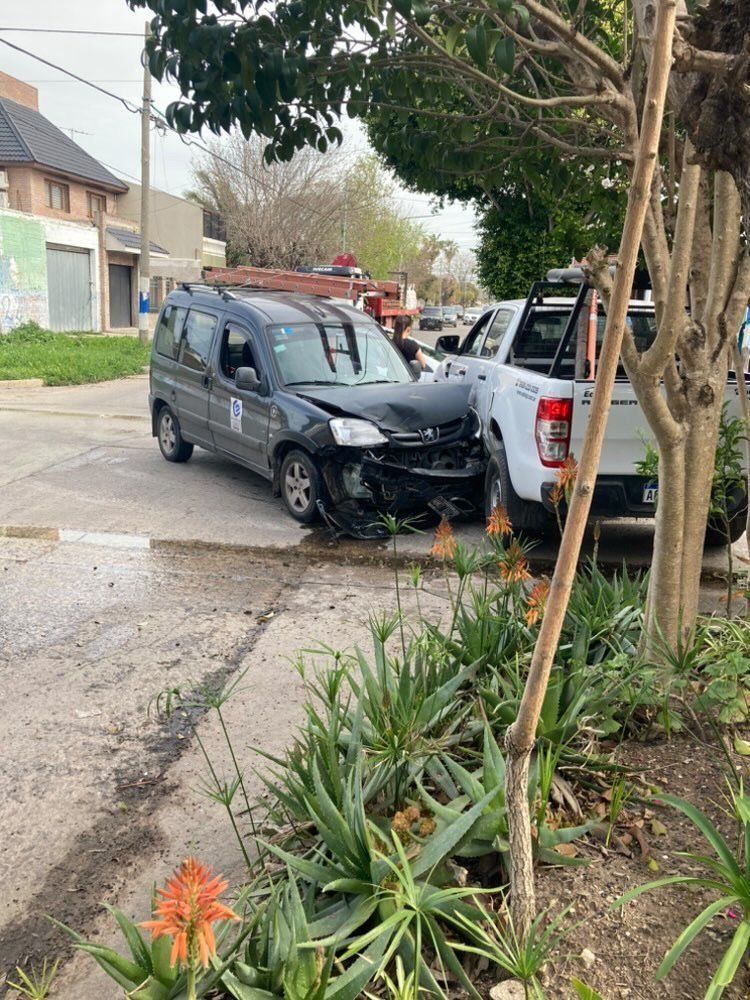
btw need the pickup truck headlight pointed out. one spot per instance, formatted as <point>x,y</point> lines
<point>355,433</point>
<point>476,427</point>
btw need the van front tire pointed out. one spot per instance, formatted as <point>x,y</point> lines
<point>169,436</point>
<point>301,486</point>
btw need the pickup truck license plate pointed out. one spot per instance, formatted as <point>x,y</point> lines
<point>650,493</point>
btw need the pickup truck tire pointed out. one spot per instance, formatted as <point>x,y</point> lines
<point>525,515</point>
<point>301,486</point>
<point>169,436</point>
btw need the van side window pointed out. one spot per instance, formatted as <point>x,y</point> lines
<point>237,351</point>
<point>196,340</point>
<point>169,331</point>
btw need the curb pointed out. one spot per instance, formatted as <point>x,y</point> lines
<point>40,410</point>
<point>316,546</point>
<point>21,383</point>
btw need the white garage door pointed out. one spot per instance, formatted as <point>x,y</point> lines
<point>69,289</point>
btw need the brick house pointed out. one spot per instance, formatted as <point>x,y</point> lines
<point>67,259</point>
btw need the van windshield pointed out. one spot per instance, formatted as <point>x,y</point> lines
<point>332,354</point>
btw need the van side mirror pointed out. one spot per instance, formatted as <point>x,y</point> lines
<point>448,343</point>
<point>247,378</point>
<point>416,369</point>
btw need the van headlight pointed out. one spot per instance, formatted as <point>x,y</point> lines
<point>356,433</point>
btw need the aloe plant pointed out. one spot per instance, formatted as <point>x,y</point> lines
<point>486,788</point>
<point>727,875</point>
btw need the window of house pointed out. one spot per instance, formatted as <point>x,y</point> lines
<point>97,204</point>
<point>156,294</point>
<point>57,196</point>
<point>169,331</point>
<point>196,341</point>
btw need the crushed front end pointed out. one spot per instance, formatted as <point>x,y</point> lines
<point>410,471</point>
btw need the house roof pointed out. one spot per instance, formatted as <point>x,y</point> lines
<point>26,136</point>
<point>131,241</point>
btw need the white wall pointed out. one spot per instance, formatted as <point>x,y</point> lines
<point>83,237</point>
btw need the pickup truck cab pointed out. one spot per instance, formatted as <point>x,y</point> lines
<point>312,395</point>
<point>531,366</point>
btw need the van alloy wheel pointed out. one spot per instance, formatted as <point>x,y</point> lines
<point>167,434</point>
<point>298,487</point>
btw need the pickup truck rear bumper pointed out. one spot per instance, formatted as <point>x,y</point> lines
<point>622,496</point>
<point>614,496</point>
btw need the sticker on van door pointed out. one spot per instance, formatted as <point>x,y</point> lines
<point>235,418</point>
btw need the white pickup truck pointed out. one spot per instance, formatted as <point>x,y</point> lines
<point>531,364</point>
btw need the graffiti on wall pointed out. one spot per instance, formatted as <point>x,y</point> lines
<point>23,272</point>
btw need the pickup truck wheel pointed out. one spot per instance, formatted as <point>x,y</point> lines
<point>301,486</point>
<point>168,433</point>
<point>525,515</point>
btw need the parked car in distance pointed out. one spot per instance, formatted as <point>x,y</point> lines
<point>471,316</point>
<point>431,318</point>
<point>450,316</point>
<point>312,395</point>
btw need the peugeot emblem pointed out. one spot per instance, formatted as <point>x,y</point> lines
<point>429,434</point>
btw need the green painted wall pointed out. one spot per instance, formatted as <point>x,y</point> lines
<point>23,272</point>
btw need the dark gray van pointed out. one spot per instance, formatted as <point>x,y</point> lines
<point>312,395</point>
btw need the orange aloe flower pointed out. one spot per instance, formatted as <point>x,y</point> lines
<point>444,546</point>
<point>186,911</point>
<point>567,474</point>
<point>536,601</point>
<point>498,523</point>
<point>513,566</point>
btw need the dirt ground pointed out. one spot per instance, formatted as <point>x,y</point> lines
<point>629,943</point>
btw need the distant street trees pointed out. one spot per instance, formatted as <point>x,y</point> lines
<point>307,210</point>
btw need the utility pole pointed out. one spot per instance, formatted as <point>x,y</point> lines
<point>144,266</point>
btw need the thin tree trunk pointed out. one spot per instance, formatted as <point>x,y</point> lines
<point>700,456</point>
<point>521,735</point>
<point>664,581</point>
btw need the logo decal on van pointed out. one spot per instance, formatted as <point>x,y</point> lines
<point>235,418</point>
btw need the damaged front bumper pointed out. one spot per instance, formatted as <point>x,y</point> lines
<point>393,480</point>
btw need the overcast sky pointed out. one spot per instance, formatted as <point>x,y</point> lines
<point>104,127</point>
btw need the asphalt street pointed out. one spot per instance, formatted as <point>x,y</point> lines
<point>101,799</point>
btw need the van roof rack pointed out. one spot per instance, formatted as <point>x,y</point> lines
<point>223,290</point>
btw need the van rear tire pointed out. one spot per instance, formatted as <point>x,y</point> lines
<point>525,515</point>
<point>171,443</point>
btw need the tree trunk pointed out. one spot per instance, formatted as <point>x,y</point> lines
<point>663,604</point>
<point>521,735</point>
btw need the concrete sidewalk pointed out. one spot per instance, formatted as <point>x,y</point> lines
<point>82,459</point>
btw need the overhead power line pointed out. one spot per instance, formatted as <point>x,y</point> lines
<point>74,31</point>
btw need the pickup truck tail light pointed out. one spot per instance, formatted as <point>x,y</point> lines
<point>552,430</point>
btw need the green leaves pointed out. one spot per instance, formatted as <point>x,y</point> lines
<point>504,54</point>
<point>476,43</point>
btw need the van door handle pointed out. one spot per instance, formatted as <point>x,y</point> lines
<point>482,378</point>
<point>207,382</point>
